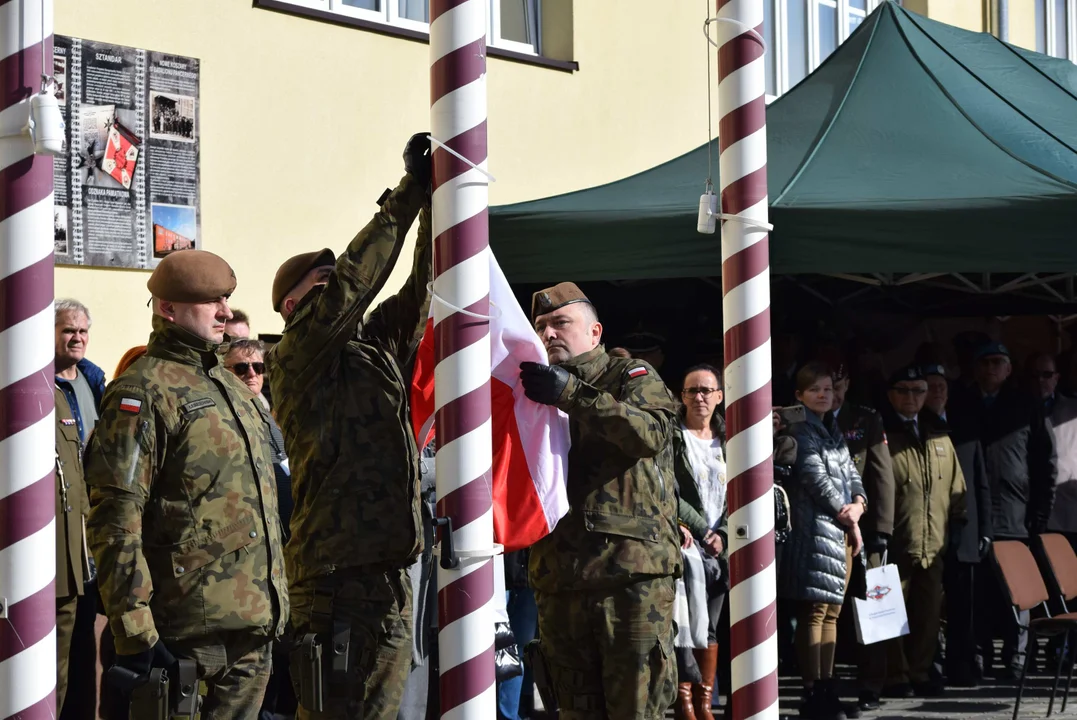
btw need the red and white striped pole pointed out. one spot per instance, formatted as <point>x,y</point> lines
<point>461,308</point>
<point>742,142</point>
<point>27,429</point>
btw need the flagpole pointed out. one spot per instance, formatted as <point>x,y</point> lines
<point>27,426</point>
<point>742,142</point>
<point>462,354</point>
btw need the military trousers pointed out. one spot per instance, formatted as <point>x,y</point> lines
<point>377,606</point>
<point>610,652</point>
<point>909,658</point>
<point>234,668</point>
<point>65,628</point>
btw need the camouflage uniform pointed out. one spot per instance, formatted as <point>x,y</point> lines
<point>71,560</point>
<point>603,578</point>
<point>183,520</point>
<point>341,392</point>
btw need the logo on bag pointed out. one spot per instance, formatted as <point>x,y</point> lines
<point>878,592</point>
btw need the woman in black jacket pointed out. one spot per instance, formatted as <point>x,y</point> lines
<point>827,499</point>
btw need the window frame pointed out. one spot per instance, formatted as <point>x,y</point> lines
<point>389,17</point>
<point>779,13</point>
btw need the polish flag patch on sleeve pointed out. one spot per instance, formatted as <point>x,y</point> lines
<point>130,405</point>
<point>637,372</point>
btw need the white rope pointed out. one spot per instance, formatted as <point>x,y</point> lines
<point>463,311</point>
<point>743,26</point>
<point>745,221</point>
<point>461,157</point>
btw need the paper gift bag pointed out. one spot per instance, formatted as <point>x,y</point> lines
<point>882,615</point>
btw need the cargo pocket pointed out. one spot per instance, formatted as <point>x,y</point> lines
<point>661,685</point>
<point>191,556</point>
<point>630,526</point>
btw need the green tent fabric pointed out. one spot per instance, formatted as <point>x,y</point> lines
<point>916,147</point>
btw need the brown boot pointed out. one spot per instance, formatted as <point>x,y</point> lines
<point>701,694</point>
<point>682,709</point>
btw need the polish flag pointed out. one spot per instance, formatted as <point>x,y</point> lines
<point>530,441</point>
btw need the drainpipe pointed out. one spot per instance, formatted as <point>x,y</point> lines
<point>1003,20</point>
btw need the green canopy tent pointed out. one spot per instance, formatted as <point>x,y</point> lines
<point>916,148</point>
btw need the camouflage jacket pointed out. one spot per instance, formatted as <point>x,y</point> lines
<point>71,502</point>
<point>622,522</point>
<point>183,505</point>
<point>341,387</point>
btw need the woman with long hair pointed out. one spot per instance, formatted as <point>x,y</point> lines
<point>699,465</point>
<point>827,499</point>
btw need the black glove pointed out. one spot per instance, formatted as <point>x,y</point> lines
<point>877,543</point>
<point>140,663</point>
<point>543,383</point>
<point>417,158</point>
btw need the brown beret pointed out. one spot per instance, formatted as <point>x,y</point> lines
<point>550,299</point>
<point>294,269</point>
<point>191,276</point>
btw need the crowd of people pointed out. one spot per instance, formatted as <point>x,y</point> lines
<point>279,536</point>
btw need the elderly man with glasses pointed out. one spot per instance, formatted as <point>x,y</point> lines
<point>929,501</point>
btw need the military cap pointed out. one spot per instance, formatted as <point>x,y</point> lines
<point>294,269</point>
<point>553,298</point>
<point>932,369</point>
<point>991,348</point>
<point>643,342</point>
<point>906,374</point>
<point>191,276</point>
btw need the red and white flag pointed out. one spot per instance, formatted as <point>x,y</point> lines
<point>530,441</point>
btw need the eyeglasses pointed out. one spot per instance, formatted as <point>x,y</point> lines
<point>693,391</point>
<point>242,368</point>
<point>910,391</point>
<point>1045,374</point>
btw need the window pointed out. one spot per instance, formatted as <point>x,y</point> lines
<point>801,34</point>
<point>513,24</point>
<point>1056,28</point>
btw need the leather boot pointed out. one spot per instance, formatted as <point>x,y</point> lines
<point>682,709</point>
<point>701,694</point>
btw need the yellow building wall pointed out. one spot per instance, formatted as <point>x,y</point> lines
<point>303,124</point>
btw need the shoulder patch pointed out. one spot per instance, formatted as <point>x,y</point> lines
<point>199,404</point>
<point>131,405</point>
<point>636,372</point>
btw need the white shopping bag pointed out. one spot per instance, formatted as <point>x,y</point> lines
<point>882,616</point>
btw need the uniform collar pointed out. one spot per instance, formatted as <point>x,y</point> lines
<point>589,365</point>
<point>171,342</point>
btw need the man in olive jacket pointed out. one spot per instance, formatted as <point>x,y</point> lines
<point>340,385</point>
<point>183,499</point>
<point>604,577</point>
<point>71,559</point>
<point>930,499</point>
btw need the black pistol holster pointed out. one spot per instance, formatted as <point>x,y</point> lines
<point>156,696</point>
<point>540,671</point>
<point>320,660</point>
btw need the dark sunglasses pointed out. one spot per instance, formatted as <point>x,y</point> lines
<point>242,368</point>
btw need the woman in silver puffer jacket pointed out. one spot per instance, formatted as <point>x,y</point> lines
<point>827,498</point>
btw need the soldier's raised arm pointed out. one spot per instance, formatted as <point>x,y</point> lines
<point>322,298</point>
<point>640,424</point>
<point>120,466</point>
<point>400,320</point>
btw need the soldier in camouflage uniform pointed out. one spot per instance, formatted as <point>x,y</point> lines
<point>604,577</point>
<point>183,508</point>
<point>71,561</point>
<point>340,383</point>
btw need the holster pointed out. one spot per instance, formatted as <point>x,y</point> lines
<point>157,697</point>
<point>540,671</point>
<point>329,638</point>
